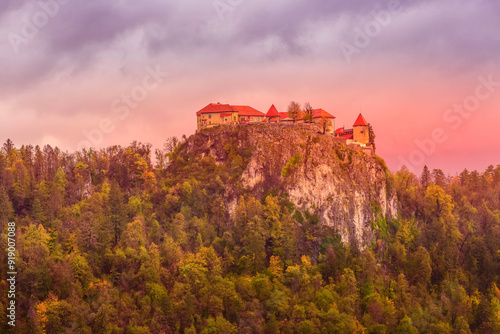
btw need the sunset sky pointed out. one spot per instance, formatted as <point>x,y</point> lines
<point>110,72</point>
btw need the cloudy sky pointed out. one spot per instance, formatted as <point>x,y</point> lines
<point>425,74</point>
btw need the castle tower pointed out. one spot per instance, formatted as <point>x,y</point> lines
<point>273,115</point>
<point>361,132</point>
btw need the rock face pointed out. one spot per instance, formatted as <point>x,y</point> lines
<point>345,187</point>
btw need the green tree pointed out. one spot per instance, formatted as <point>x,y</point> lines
<point>117,210</point>
<point>371,136</point>
<point>406,326</point>
<point>219,325</point>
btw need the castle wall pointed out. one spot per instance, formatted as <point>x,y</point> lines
<point>368,150</point>
<point>212,119</point>
<point>361,134</point>
<point>331,128</point>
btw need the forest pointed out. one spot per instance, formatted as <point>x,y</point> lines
<point>127,240</point>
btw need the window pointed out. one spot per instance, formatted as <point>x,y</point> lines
<point>209,116</point>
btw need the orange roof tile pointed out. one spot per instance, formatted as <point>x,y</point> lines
<point>273,112</point>
<point>320,113</point>
<point>360,121</point>
<point>215,108</point>
<point>247,111</point>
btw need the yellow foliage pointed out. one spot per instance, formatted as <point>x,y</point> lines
<point>276,267</point>
<point>43,308</point>
<point>306,262</point>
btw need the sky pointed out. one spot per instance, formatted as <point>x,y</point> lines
<point>97,73</point>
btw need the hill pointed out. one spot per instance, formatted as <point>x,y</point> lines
<point>346,188</point>
<point>245,229</point>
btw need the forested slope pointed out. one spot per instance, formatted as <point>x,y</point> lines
<point>110,243</point>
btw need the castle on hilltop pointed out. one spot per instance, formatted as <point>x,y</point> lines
<point>216,114</point>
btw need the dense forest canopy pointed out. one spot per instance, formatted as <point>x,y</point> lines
<point>109,243</point>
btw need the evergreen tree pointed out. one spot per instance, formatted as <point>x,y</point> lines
<point>425,178</point>
<point>117,213</point>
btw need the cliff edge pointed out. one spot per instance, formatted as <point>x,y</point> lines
<point>345,187</point>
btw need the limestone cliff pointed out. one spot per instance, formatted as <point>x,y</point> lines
<point>345,187</point>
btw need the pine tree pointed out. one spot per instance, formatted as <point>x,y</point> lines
<point>425,179</point>
<point>116,210</point>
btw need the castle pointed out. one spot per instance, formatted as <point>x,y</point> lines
<point>216,114</point>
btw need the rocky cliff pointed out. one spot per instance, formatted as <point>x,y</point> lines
<point>343,186</point>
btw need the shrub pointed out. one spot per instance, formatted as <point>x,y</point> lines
<point>291,165</point>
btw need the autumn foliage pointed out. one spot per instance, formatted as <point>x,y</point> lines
<point>109,242</point>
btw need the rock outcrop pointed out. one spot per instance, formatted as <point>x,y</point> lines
<point>345,187</point>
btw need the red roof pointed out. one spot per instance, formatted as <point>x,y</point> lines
<point>247,111</point>
<point>215,108</point>
<point>224,115</point>
<point>360,121</point>
<point>273,112</point>
<point>344,133</point>
<point>283,114</point>
<point>346,136</point>
<point>320,113</point>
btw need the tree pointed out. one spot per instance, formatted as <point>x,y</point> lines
<point>419,267</point>
<point>439,178</point>
<point>58,191</point>
<point>116,210</point>
<point>410,196</point>
<point>371,135</point>
<point>54,316</point>
<point>6,209</point>
<point>9,150</point>
<point>294,111</point>
<point>425,179</point>
<point>308,113</point>
<point>170,144</point>
<point>326,124</point>
<point>406,326</point>
<point>164,156</point>
<point>219,325</point>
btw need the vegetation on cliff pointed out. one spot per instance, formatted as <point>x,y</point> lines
<point>109,243</point>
